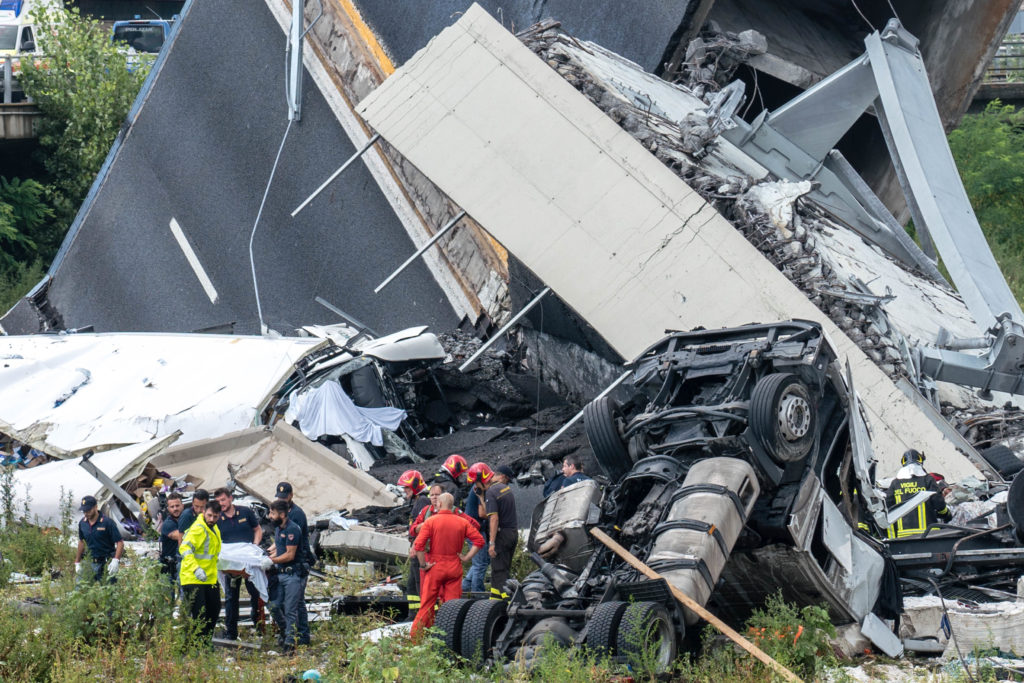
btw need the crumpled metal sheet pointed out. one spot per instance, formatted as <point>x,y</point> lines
<point>65,394</point>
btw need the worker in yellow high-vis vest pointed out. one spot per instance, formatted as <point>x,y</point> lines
<point>199,549</point>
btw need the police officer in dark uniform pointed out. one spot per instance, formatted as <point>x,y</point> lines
<point>305,558</point>
<point>170,537</point>
<point>100,534</point>
<point>237,524</point>
<point>199,500</point>
<point>289,601</point>
<point>909,481</point>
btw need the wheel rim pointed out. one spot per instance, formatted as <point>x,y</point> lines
<point>794,416</point>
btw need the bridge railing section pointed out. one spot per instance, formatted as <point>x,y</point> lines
<point>10,69</point>
<point>1008,64</point>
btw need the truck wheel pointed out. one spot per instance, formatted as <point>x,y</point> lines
<point>449,619</point>
<point>604,628</point>
<point>1003,461</point>
<point>783,417</point>
<point>480,630</point>
<point>646,636</point>
<point>603,433</point>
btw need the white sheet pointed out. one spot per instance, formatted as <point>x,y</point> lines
<point>244,557</point>
<point>327,409</point>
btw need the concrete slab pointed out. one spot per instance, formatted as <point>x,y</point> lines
<point>648,254</point>
<point>260,458</point>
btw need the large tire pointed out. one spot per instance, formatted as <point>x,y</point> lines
<point>647,625</point>
<point>1003,461</point>
<point>449,620</point>
<point>783,417</point>
<point>603,433</point>
<point>481,628</point>
<point>603,629</point>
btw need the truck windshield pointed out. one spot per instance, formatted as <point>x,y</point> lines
<point>8,37</point>
<point>140,38</point>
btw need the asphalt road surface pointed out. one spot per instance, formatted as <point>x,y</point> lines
<point>641,34</point>
<point>192,171</point>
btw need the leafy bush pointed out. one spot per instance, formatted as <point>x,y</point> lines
<point>797,638</point>
<point>137,606</point>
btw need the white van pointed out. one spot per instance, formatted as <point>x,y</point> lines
<point>17,35</point>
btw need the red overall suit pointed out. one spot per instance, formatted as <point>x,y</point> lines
<point>446,533</point>
<point>426,513</point>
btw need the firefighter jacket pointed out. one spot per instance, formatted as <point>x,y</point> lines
<point>918,520</point>
<point>199,547</point>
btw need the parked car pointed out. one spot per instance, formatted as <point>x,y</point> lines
<point>141,35</point>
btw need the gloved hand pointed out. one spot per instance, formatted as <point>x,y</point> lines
<point>78,567</point>
<point>199,573</point>
<point>113,566</point>
<point>266,563</point>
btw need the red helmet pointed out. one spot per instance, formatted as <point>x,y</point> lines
<point>456,465</point>
<point>479,472</point>
<point>413,480</point>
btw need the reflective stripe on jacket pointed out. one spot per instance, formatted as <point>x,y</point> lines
<point>199,548</point>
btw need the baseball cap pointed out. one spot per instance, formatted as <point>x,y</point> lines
<point>88,503</point>
<point>284,489</point>
<point>507,471</point>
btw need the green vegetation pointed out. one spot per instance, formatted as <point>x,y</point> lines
<point>989,151</point>
<point>84,89</point>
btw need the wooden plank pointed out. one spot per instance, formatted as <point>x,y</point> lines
<point>695,606</point>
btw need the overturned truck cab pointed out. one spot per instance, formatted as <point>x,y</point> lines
<point>732,475</point>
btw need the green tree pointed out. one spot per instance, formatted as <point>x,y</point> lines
<point>84,89</point>
<point>989,152</point>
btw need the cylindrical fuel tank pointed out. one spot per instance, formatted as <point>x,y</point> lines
<point>700,526</point>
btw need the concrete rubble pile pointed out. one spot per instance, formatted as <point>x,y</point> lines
<point>881,304</point>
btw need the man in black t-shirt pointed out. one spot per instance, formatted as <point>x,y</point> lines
<point>237,524</point>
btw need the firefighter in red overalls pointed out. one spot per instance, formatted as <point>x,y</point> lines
<point>446,534</point>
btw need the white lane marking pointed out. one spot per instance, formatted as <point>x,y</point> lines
<point>193,261</point>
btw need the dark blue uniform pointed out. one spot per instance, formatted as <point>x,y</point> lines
<point>169,552</point>
<point>186,519</point>
<point>289,601</point>
<point>239,528</point>
<point>101,539</point>
<point>168,546</point>
<point>295,514</point>
<point>561,481</point>
<point>474,578</point>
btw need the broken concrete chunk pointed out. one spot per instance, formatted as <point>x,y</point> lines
<point>753,42</point>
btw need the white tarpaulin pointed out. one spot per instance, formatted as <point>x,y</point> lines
<point>65,394</point>
<point>327,409</point>
<point>45,486</point>
<point>243,557</point>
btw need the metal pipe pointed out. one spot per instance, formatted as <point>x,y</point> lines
<point>295,35</point>
<point>361,152</point>
<point>334,309</point>
<point>577,416</point>
<point>431,242</point>
<point>7,80</point>
<point>505,328</point>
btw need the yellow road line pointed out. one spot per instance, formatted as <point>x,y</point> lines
<point>369,39</point>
